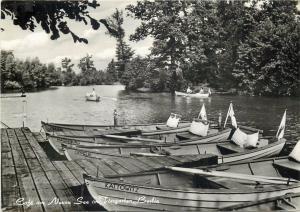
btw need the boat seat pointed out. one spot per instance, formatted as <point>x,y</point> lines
<point>288,164</point>
<point>188,135</point>
<point>229,148</point>
<point>164,127</point>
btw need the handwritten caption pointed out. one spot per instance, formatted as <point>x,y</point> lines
<point>81,201</point>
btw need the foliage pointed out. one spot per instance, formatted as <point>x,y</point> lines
<point>135,74</point>
<point>28,74</point>
<point>52,16</point>
<point>249,45</point>
<point>112,74</point>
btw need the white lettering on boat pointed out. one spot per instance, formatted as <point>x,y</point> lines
<point>121,187</point>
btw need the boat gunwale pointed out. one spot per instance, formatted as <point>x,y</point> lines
<point>95,125</point>
<point>75,148</point>
<point>271,188</point>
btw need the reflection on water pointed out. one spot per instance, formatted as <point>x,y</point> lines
<point>68,105</point>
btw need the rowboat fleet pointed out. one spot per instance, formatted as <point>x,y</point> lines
<point>247,174</point>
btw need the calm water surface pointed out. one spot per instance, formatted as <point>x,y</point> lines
<point>68,105</point>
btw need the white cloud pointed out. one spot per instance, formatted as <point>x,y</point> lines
<point>106,54</point>
<point>90,33</point>
<point>31,41</point>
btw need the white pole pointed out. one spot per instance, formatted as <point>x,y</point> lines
<point>227,114</point>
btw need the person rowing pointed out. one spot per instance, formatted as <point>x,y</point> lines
<point>188,90</point>
<point>93,92</point>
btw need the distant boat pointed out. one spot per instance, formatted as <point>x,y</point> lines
<point>198,95</point>
<point>92,97</point>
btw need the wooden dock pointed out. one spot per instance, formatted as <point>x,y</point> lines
<point>33,182</point>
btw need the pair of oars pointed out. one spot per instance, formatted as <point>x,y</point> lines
<point>256,178</point>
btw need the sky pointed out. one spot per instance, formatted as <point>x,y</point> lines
<point>27,44</point>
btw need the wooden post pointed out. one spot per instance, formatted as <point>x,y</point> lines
<point>115,118</point>
<point>220,120</point>
<point>24,112</point>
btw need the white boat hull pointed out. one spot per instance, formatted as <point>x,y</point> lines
<point>122,196</point>
<point>198,95</point>
<point>92,98</point>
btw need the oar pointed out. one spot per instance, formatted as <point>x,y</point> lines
<point>256,178</point>
<point>132,138</point>
<point>111,98</point>
<point>146,154</point>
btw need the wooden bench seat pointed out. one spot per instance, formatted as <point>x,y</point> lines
<point>288,164</point>
<point>229,148</point>
<point>288,168</point>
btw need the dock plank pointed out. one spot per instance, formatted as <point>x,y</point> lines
<point>28,173</point>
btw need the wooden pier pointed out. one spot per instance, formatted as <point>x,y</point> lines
<point>33,182</point>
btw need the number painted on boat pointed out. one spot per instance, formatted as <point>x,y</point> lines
<point>121,187</point>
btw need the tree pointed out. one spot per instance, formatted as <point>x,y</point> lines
<point>134,76</point>
<point>52,15</point>
<point>111,72</point>
<point>181,31</point>
<point>123,51</point>
<point>268,62</point>
<point>69,76</point>
<point>87,68</point>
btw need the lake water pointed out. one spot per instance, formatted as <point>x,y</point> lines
<point>68,105</point>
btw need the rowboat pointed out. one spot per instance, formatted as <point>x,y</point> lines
<point>51,127</point>
<point>91,97</point>
<point>196,189</point>
<point>226,150</point>
<point>287,202</point>
<point>58,138</point>
<point>198,95</point>
<point>159,136</point>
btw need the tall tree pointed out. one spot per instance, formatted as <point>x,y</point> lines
<point>268,62</point>
<point>124,52</point>
<point>112,74</point>
<point>87,68</point>
<point>67,71</point>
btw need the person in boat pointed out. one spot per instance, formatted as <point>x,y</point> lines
<point>23,92</point>
<point>94,92</point>
<point>201,90</point>
<point>188,90</point>
<point>115,118</point>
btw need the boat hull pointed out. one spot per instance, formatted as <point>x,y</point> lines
<point>197,95</point>
<point>120,196</point>
<point>52,127</point>
<point>108,151</point>
<point>92,98</point>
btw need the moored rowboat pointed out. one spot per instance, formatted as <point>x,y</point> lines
<point>226,151</point>
<point>50,127</point>
<point>182,189</point>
